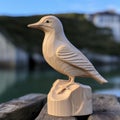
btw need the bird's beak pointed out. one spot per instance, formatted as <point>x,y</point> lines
<point>35,25</point>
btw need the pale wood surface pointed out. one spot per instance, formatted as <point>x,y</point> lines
<point>76,100</point>
<point>106,107</point>
<point>44,116</point>
<point>61,54</point>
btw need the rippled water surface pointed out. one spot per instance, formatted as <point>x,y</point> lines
<point>15,83</point>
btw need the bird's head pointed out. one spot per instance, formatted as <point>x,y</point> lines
<point>48,24</point>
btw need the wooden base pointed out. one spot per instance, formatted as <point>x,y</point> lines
<point>75,100</point>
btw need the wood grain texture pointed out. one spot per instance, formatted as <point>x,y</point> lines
<point>61,54</point>
<point>106,107</point>
<point>74,101</point>
<point>44,116</point>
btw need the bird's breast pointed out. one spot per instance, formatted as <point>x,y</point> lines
<point>48,49</point>
<point>49,53</point>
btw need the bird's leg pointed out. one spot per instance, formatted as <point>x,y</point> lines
<point>65,86</point>
<point>71,79</point>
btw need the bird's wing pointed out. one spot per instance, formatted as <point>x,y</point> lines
<point>74,57</point>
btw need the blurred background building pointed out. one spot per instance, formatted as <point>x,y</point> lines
<point>109,19</point>
<point>11,56</point>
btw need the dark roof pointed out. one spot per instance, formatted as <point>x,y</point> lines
<point>109,12</point>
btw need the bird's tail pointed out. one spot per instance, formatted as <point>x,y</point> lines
<point>100,79</point>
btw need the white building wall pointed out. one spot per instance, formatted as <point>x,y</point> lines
<point>7,50</point>
<point>112,22</point>
<point>10,54</point>
<point>11,51</point>
<point>2,48</point>
<point>21,57</point>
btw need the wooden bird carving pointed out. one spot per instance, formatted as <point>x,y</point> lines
<point>61,54</point>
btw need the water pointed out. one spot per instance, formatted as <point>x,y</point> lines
<point>15,83</point>
<point>114,79</point>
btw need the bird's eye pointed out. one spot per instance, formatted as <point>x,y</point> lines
<point>47,21</point>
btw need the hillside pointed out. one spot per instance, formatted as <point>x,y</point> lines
<point>82,33</point>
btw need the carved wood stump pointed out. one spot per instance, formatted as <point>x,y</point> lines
<point>76,100</point>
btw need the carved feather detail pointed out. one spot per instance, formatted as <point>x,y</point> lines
<point>72,56</point>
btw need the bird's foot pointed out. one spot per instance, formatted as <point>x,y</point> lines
<point>65,86</point>
<point>61,89</point>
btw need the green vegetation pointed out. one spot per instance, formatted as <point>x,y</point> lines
<point>82,33</point>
